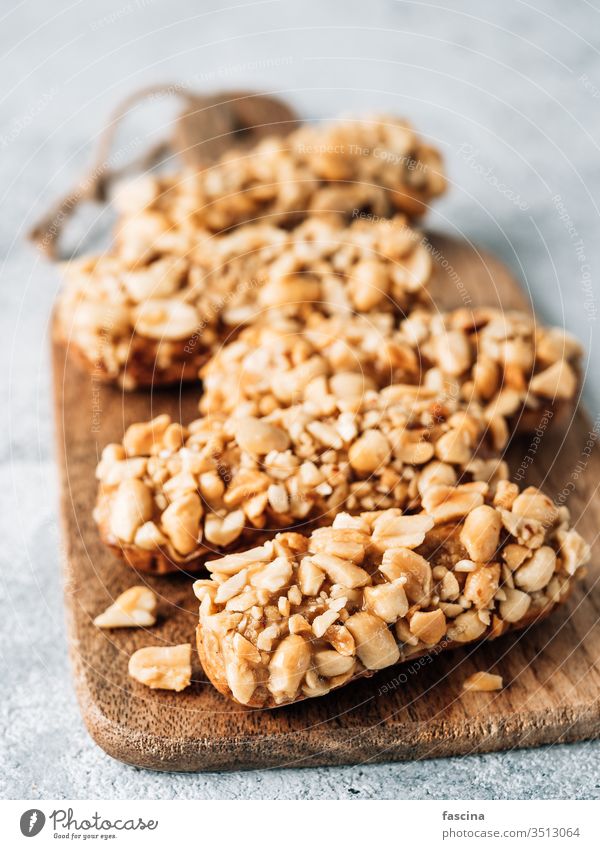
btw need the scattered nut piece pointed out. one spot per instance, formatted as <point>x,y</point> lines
<point>134,608</point>
<point>483,682</point>
<point>162,667</point>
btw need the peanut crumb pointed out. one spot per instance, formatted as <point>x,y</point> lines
<point>483,682</point>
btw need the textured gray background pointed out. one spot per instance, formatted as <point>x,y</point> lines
<point>511,93</point>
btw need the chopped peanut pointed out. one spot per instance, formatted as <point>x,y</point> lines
<point>483,682</point>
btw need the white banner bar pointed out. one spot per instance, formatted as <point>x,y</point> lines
<point>300,825</point>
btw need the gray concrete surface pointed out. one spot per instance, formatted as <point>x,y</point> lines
<point>510,91</point>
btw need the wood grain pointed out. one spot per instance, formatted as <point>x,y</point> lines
<point>411,711</point>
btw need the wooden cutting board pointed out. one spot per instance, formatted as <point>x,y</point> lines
<point>417,710</point>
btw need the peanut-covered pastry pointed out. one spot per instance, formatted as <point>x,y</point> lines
<point>503,361</point>
<point>300,615</point>
<point>156,319</point>
<point>170,495</point>
<point>180,273</point>
<point>377,166</point>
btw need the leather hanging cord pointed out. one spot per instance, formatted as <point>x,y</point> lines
<point>205,128</point>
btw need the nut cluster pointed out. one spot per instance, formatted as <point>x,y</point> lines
<point>502,361</point>
<point>377,166</point>
<point>179,277</point>
<point>179,492</point>
<point>302,615</point>
<point>154,319</point>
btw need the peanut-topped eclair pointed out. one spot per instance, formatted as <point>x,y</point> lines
<point>193,249</point>
<point>503,361</point>
<point>156,319</point>
<point>285,361</point>
<point>302,615</point>
<point>376,166</point>
<point>169,495</point>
